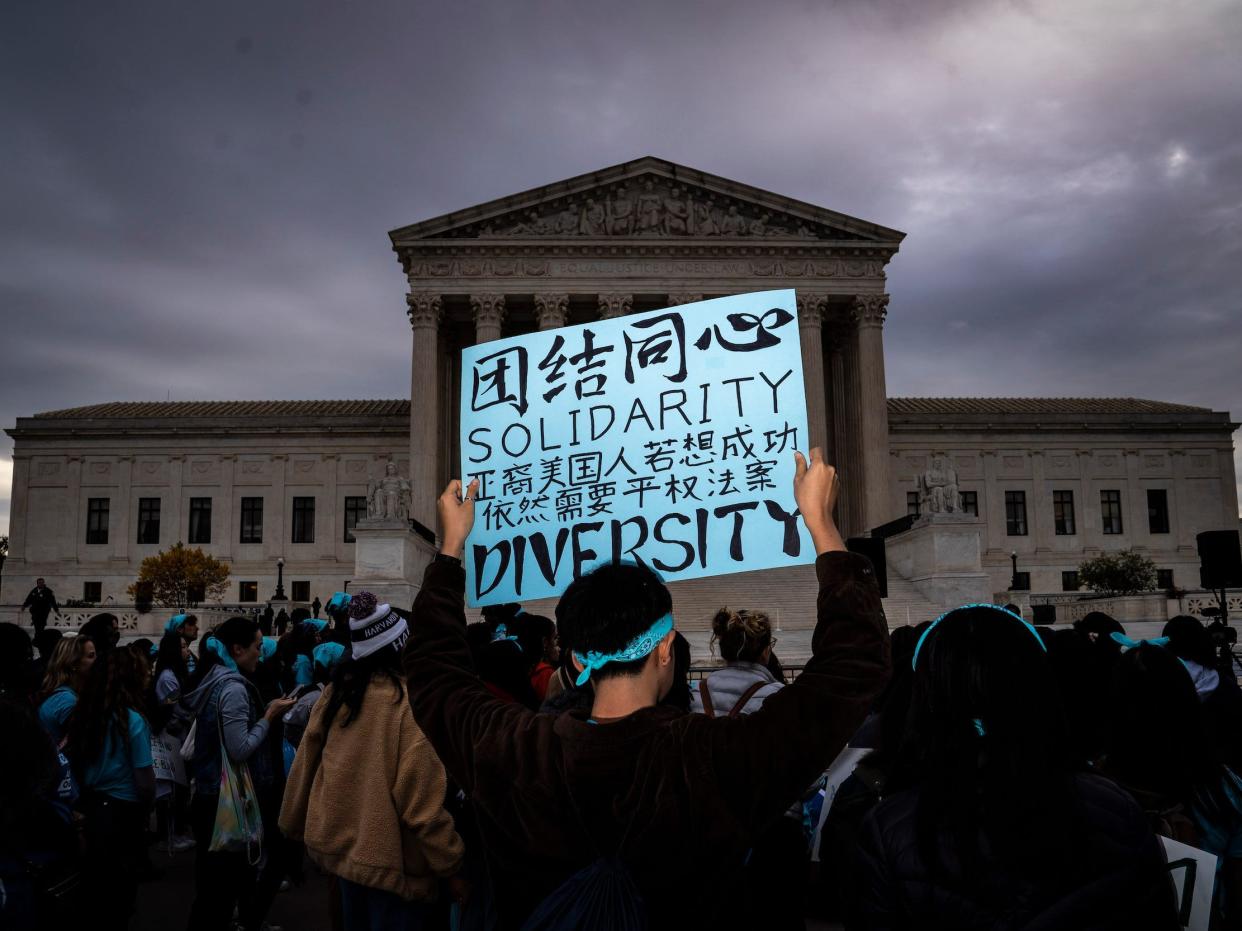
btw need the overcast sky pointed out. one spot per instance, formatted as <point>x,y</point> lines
<point>195,198</point>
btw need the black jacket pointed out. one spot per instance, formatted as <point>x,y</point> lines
<point>677,797</point>
<point>1127,885</point>
<point>41,603</point>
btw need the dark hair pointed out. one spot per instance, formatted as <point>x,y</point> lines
<point>608,607</point>
<point>45,640</point>
<point>1189,639</point>
<point>1010,789</point>
<point>532,630</point>
<point>169,657</point>
<point>679,694</point>
<point>99,629</point>
<point>1097,622</point>
<point>142,646</point>
<point>499,614</point>
<point>352,677</point>
<point>1158,739</point>
<point>15,656</point>
<point>741,635</point>
<point>235,632</point>
<point>113,689</point>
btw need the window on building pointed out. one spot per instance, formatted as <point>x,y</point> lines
<point>970,502</point>
<point>303,520</point>
<point>1063,514</point>
<point>97,520</point>
<point>1021,581</point>
<point>1157,510</point>
<point>200,520</point>
<point>92,592</point>
<point>1110,511</point>
<point>1164,579</point>
<point>1015,513</point>
<point>301,591</point>
<point>247,591</point>
<point>251,520</point>
<point>1069,581</point>
<point>912,504</point>
<point>149,520</point>
<point>355,510</point>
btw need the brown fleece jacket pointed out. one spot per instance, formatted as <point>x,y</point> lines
<point>678,798</point>
<point>368,799</point>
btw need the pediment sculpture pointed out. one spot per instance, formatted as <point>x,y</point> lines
<point>644,207</point>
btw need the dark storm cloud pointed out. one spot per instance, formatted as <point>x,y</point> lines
<point>196,197</point>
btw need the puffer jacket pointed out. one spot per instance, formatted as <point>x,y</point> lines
<point>727,686</point>
<point>1126,886</point>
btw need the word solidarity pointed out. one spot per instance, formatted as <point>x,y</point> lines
<point>664,437</point>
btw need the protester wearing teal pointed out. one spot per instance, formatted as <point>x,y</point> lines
<point>109,744</point>
<point>67,671</point>
<point>187,626</point>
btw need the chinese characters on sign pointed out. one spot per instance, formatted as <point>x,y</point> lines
<point>665,437</point>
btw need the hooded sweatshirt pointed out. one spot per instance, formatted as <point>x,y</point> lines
<point>225,706</point>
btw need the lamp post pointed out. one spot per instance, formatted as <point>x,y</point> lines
<point>1013,577</point>
<point>280,580</point>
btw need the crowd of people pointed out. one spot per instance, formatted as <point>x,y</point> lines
<point>525,772</point>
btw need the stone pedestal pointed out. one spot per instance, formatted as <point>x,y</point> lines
<point>389,560</point>
<point>941,555</point>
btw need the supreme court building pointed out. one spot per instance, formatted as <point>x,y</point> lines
<point>1045,481</point>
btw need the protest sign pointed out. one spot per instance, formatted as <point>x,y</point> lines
<point>665,437</point>
<point>1194,875</point>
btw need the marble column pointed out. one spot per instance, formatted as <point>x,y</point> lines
<point>425,313</point>
<point>551,310</point>
<point>1039,512</point>
<point>1087,519</point>
<point>614,304</point>
<point>1228,486</point>
<point>810,331</point>
<point>993,505</point>
<point>1183,532</point>
<point>854,477</point>
<point>334,513</point>
<point>277,535</point>
<point>227,541</point>
<point>869,313</point>
<point>489,314</point>
<point>176,474</point>
<point>1135,523</point>
<point>842,456</point>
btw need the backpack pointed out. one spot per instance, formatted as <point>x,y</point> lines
<point>601,896</point>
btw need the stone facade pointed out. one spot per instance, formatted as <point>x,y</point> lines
<point>638,236</point>
<point>1101,457</point>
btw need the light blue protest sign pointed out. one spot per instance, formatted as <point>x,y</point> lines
<point>665,437</point>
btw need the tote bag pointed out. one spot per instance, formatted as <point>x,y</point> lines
<point>238,826</point>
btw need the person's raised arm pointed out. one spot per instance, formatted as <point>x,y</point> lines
<point>765,760</point>
<point>451,705</point>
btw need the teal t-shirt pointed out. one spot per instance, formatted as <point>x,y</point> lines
<point>54,712</point>
<point>113,773</point>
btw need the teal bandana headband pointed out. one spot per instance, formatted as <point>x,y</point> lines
<point>637,648</point>
<point>339,601</point>
<point>267,649</point>
<point>914,663</point>
<point>317,623</point>
<point>1128,644</point>
<point>175,622</point>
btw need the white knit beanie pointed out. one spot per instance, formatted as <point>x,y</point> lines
<point>374,626</point>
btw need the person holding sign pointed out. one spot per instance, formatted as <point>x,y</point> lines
<point>643,806</point>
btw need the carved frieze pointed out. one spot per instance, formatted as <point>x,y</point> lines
<point>648,207</point>
<point>637,265</point>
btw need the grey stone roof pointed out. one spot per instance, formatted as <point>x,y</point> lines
<point>1000,406</point>
<point>150,409</point>
<point>397,407</point>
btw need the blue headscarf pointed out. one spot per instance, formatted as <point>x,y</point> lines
<point>175,623</point>
<point>338,602</point>
<point>328,654</point>
<point>267,649</point>
<point>316,622</point>
<point>637,648</point>
<point>303,670</point>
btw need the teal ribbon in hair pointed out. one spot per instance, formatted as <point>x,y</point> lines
<point>222,653</point>
<point>637,648</point>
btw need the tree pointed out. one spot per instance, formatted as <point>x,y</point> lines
<point>1125,572</point>
<point>180,578</point>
